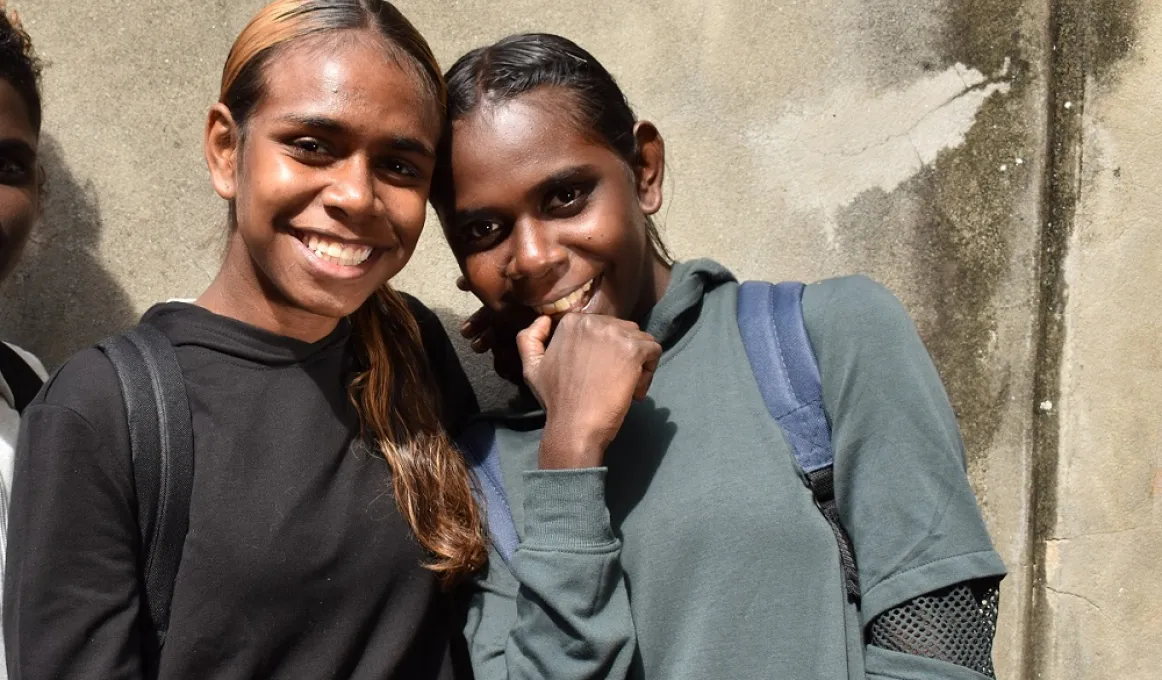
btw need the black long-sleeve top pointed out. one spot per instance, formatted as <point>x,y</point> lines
<point>297,563</point>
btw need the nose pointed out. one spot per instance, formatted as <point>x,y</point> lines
<point>536,252</point>
<point>351,190</point>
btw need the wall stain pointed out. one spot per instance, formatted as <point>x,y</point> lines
<point>965,222</point>
<point>1089,38</point>
<point>1112,34</point>
<point>982,33</point>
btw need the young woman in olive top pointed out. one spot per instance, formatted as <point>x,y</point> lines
<point>666,531</point>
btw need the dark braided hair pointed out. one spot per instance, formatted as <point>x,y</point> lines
<point>18,63</point>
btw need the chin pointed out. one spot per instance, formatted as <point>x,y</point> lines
<point>331,306</point>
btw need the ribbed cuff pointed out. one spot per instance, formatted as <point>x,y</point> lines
<point>565,510</point>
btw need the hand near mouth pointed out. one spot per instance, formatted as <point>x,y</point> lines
<point>586,380</point>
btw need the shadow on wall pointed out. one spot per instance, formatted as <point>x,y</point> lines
<point>60,299</point>
<point>491,391</point>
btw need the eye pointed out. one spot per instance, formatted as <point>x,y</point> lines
<point>309,147</point>
<point>400,167</point>
<point>562,197</point>
<point>567,200</point>
<point>482,234</point>
<point>478,231</point>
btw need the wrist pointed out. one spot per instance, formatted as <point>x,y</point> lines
<point>563,448</point>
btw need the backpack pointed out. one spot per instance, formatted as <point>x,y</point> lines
<point>161,441</point>
<point>770,319</point>
<point>21,379</point>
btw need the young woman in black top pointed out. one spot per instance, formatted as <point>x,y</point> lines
<point>329,510</point>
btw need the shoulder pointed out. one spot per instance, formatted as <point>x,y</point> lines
<point>852,300</point>
<point>86,385</point>
<point>457,398</point>
<point>432,332</point>
<point>419,310</point>
<point>30,359</point>
<point>855,310</point>
<point>80,412</point>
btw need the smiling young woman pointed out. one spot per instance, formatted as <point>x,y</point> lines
<point>665,528</point>
<point>329,513</point>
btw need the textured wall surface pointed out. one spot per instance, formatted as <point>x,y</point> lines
<point>1105,540</point>
<point>913,140</point>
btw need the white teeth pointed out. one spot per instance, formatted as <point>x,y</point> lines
<point>336,252</point>
<point>566,303</point>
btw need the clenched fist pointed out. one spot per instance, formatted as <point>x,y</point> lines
<point>585,379</point>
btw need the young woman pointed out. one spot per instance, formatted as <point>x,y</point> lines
<point>672,536</point>
<point>21,374</point>
<point>329,509</point>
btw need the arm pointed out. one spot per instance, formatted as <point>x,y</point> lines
<point>924,555</point>
<point>70,588</point>
<point>562,611</point>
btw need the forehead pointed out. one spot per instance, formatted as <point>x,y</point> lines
<point>519,142</point>
<point>14,119</point>
<point>356,79</point>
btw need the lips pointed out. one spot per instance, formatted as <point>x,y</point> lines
<point>335,251</point>
<point>575,300</point>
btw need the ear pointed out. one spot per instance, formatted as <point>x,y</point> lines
<point>222,146</point>
<point>650,166</point>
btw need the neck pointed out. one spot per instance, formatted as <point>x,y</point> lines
<point>241,291</point>
<point>657,278</point>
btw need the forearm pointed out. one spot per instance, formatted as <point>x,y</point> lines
<point>563,610</point>
<point>944,634</point>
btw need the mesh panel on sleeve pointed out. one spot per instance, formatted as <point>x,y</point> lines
<point>956,625</point>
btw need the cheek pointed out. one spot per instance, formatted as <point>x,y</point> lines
<point>485,273</point>
<point>269,184</point>
<point>611,228</point>
<point>18,209</point>
<point>407,211</point>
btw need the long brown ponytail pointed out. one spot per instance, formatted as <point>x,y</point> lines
<point>393,391</point>
<point>396,399</point>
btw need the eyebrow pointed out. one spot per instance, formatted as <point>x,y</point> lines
<point>464,217</point>
<point>563,176</point>
<point>396,142</point>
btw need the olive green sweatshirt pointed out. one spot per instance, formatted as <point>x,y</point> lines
<point>697,551</point>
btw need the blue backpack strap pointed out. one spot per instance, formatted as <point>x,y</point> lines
<point>770,318</point>
<point>478,444</point>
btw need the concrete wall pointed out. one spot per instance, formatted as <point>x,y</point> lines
<point>925,142</point>
<point>1100,601</point>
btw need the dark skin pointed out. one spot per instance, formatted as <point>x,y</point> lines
<point>549,227</point>
<point>341,147</point>
<point>20,177</point>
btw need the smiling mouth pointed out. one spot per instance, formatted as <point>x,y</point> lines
<point>338,252</point>
<point>574,301</point>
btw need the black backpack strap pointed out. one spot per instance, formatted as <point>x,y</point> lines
<point>162,443</point>
<point>21,379</point>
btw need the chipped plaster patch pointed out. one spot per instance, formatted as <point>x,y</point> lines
<point>824,156</point>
